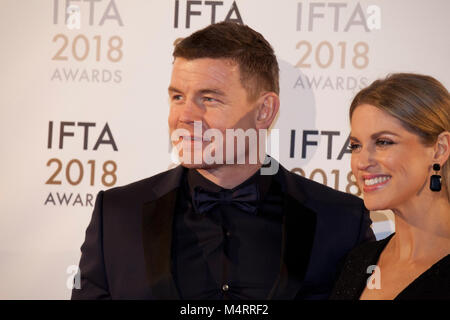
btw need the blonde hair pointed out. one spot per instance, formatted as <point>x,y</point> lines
<point>421,103</point>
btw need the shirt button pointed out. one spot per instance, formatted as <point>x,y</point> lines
<point>228,233</point>
<point>225,287</point>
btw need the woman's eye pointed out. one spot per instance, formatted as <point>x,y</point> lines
<point>354,146</point>
<point>384,142</point>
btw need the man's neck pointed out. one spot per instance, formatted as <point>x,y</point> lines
<point>229,176</point>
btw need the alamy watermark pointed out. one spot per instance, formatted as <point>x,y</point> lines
<point>213,147</point>
<point>374,281</point>
<point>74,279</point>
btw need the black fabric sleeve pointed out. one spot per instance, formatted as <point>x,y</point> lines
<point>92,268</point>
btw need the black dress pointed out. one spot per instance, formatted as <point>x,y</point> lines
<point>434,283</point>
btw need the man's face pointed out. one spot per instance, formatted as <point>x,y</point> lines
<point>210,91</point>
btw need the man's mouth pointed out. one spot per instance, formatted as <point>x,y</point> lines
<point>195,138</point>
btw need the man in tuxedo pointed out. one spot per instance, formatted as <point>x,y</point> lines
<point>221,225</point>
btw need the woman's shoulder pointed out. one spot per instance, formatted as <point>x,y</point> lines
<point>369,250</point>
<point>433,284</point>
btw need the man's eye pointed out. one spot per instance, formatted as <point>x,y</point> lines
<point>209,99</point>
<point>177,97</point>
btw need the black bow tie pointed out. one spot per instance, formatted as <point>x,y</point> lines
<point>245,198</point>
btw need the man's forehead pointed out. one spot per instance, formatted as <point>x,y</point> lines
<point>228,61</point>
<point>215,71</point>
<point>204,64</point>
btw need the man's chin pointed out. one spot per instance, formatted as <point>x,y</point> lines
<point>200,165</point>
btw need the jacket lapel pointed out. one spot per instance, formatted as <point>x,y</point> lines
<point>299,225</point>
<point>157,218</point>
<point>297,238</point>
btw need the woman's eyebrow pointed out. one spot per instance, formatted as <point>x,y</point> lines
<point>377,134</point>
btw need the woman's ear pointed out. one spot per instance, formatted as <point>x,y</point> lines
<point>442,148</point>
<point>268,106</point>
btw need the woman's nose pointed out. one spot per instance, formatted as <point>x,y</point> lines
<point>365,159</point>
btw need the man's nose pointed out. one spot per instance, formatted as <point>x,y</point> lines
<point>191,112</point>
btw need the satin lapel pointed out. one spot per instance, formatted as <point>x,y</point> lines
<point>157,239</point>
<point>298,236</point>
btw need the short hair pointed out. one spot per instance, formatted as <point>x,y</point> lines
<point>420,102</point>
<point>258,66</point>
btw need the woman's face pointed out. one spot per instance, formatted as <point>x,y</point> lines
<point>391,165</point>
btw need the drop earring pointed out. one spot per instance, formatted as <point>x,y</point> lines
<point>435,181</point>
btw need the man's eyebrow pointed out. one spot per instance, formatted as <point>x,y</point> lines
<point>202,91</point>
<point>212,91</point>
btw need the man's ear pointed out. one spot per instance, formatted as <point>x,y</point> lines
<point>442,148</point>
<point>267,109</point>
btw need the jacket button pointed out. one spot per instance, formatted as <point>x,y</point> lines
<point>225,287</point>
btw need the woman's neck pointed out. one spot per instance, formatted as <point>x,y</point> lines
<point>422,229</point>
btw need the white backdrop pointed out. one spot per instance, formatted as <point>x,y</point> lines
<point>83,103</point>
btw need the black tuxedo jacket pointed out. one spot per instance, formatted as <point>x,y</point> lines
<point>127,250</point>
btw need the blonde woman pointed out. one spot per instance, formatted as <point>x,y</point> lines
<point>400,144</point>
